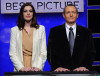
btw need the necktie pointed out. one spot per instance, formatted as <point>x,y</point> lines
<point>71,40</point>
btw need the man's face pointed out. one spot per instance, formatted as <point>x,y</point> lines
<point>70,14</point>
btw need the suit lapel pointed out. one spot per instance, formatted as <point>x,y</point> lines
<point>63,32</point>
<point>34,44</point>
<point>19,38</point>
<point>65,39</point>
<point>77,40</point>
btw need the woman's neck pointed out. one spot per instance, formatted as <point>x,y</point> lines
<point>27,23</point>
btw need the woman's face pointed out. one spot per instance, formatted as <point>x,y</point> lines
<point>28,13</point>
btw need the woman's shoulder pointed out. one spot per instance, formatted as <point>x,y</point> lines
<point>41,27</point>
<point>14,28</point>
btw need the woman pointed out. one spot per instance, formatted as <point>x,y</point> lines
<point>28,42</point>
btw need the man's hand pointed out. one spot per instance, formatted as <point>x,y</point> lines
<point>60,69</point>
<point>81,69</point>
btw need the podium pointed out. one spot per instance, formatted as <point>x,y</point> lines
<point>69,73</point>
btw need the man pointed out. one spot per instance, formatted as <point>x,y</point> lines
<point>70,50</point>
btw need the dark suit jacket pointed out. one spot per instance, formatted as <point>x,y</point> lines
<point>58,51</point>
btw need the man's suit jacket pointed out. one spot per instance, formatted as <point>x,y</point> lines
<point>58,51</point>
<point>39,48</point>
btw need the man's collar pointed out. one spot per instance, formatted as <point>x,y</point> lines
<point>68,26</point>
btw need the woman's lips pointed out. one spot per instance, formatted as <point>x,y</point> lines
<point>28,16</point>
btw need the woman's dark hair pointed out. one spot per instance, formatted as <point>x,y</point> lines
<point>21,21</point>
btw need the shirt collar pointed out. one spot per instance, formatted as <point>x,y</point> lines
<point>68,26</point>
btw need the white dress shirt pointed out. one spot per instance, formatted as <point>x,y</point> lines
<point>67,30</point>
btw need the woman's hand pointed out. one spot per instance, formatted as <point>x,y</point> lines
<point>25,69</point>
<point>35,69</point>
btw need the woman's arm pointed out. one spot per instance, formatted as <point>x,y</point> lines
<point>13,52</point>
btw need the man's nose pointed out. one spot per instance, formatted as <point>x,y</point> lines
<point>71,14</point>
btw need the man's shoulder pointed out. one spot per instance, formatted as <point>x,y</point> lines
<point>57,27</point>
<point>83,29</point>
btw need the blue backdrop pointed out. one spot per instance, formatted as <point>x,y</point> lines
<point>49,20</point>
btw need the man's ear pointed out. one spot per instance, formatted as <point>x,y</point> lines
<point>77,15</point>
<point>63,15</point>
